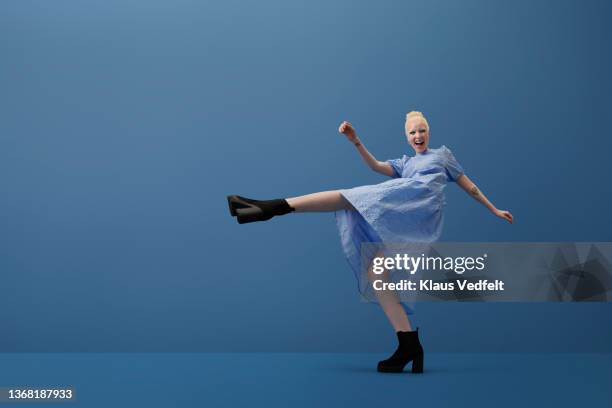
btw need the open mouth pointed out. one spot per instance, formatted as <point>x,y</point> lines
<point>419,143</point>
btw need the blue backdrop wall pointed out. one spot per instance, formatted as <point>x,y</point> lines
<point>125,124</point>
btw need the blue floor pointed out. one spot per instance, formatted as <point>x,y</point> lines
<point>307,380</point>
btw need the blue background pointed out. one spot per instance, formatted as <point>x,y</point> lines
<point>124,124</point>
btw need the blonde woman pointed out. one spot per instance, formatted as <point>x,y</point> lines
<point>407,208</point>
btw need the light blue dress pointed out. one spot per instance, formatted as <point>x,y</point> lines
<point>406,209</point>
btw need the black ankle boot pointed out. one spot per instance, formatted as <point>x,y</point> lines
<point>409,349</point>
<point>249,210</point>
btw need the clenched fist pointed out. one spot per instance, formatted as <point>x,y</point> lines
<point>348,130</point>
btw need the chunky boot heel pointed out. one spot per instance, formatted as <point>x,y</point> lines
<point>417,364</point>
<point>235,202</point>
<point>409,349</point>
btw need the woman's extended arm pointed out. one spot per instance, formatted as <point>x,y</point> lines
<point>469,186</point>
<point>380,167</point>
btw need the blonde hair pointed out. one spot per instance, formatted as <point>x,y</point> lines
<point>415,115</point>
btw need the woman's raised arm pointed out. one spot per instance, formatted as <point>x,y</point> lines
<point>380,167</point>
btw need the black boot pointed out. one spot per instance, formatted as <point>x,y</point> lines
<point>409,349</point>
<point>249,210</point>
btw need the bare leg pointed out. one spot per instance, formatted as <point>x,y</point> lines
<point>320,202</point>
<point>333,201</point>
<point>390,303</point>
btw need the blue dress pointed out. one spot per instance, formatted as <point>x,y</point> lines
<point>407,208</point>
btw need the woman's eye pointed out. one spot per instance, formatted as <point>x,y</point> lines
<point>413,132</point>
<point>422,131</point>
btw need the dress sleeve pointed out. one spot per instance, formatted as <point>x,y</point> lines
<point>398,166</point>
<point>453,168</point>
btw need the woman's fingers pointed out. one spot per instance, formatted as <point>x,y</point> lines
<point>347,130</point>
<point>506,215</point>
<point>509,216</point>
<point>344,126</point>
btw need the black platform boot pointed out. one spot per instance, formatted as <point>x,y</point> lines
<point>249,210</point>
<point>409,349</point>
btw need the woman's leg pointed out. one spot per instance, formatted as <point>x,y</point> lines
<point>250,210</point>
<point>318,202</point>
<point>409,346</point>
<point>389,301</point>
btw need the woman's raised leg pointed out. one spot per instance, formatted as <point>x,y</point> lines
<point>320,202</point>
<point>249,210</point>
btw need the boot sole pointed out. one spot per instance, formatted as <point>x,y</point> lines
<point>390,370</point>
<point>398,370</point>
<point>251,214</point>
<point>417,366</point>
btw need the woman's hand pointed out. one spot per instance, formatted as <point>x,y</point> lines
<point>504,214</point>
<point>349,131</point>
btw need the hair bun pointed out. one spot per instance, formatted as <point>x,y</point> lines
<point>413,114</point>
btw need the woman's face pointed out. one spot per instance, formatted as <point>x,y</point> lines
<point>417,134</point>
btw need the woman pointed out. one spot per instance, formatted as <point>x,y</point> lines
<point>405,209</point>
